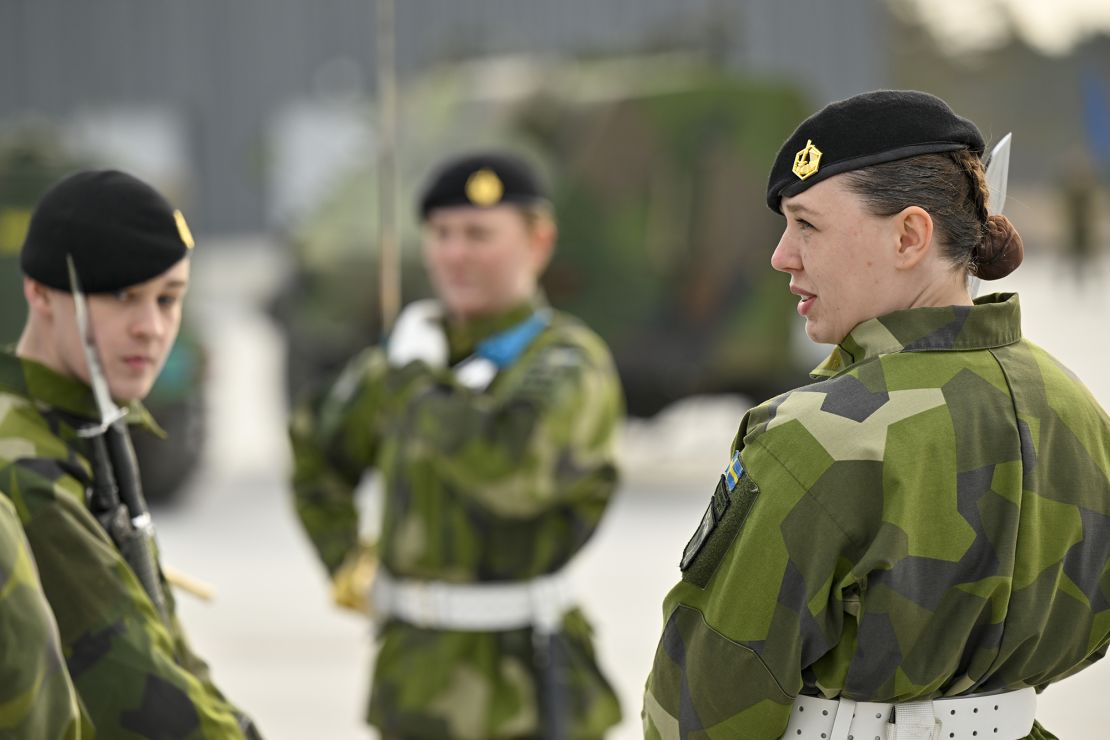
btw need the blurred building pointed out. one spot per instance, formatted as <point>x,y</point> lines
<point>184,93</point>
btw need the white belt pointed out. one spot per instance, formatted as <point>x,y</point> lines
<point>1004,716</point>
<point>475,607</point>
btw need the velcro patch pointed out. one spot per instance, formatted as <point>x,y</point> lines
<point>720,525</point>
<point>718,505</point>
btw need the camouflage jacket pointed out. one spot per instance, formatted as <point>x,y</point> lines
<point>930,519</point>
<point>37,699</point>
<point>499,485</point>
<point>135,677</point>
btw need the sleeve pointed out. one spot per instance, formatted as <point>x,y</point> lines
<point>123,660</point>
<point>334,436</point>
<point>37,698</point>
<point>762,597</point>
<point>541,436</point>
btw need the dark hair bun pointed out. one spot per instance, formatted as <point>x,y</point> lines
<point>1001,251</point>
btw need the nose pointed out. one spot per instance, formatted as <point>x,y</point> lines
<point>785,257</point>
<point>445,244</point>
<point>148,321</point>
<point>451,249</point>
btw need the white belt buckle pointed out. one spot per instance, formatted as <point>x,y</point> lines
<point>916,720</point>
<point>430,603</point>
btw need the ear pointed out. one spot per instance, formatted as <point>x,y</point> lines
<point>39,299</point>
<point>914,231</point>
<point>542,243</point>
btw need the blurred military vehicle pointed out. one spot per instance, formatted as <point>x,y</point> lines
<point>657,168</point>
<point>32,159</point>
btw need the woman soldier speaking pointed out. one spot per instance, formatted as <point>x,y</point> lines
<point>917,544</point>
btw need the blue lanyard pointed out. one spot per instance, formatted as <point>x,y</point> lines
<point>503,348</point>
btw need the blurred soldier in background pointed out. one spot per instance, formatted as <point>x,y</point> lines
<point>916,544</point>
<point>1079,198</point>
<point>35,689</point>
<point>63,445</point>
<point>491,419</point>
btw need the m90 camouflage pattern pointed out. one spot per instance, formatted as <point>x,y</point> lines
<point>135,673</point>
<point>931,519</point>
<point>37,699</point>
<point>499,485</point>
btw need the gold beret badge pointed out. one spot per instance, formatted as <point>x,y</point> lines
<point>807,160</point>
<point>183,229</point>
<point>484,188</point>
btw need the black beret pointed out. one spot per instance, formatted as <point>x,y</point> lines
<point>482,180</point>
<point>120,231</point>
<point>864,130</point>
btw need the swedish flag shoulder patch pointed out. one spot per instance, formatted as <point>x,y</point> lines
<point>734,472</point>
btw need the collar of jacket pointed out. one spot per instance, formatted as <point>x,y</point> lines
<point>994,321</point>
<point>462,339</point>
<point>43,386</point>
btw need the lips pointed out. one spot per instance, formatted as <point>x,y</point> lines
<point>806,302</point>
<point>138,362</point>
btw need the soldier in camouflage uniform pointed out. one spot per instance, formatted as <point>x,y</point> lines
<point>134,672</point>
<point>37,699</point>
<point>491,419</point>
<point>920,541</point>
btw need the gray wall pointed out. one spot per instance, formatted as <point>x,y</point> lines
<point>224,66</point>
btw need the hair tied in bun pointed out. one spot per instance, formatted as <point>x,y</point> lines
<point>1001,251</point>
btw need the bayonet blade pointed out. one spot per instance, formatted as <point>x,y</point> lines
<point>109,412</point>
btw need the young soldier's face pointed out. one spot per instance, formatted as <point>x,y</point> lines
<point>134,330</point>
<point>483,261</point>
<point>839,258</point>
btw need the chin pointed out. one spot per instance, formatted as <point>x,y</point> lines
<point>817,336</point>
<point>132,391</point>
<point>467,310</point>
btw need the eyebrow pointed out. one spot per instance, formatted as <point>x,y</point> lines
<point>176,284</point>
<point>798,208</point>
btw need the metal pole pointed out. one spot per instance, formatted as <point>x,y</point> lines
<point>388,238</point>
